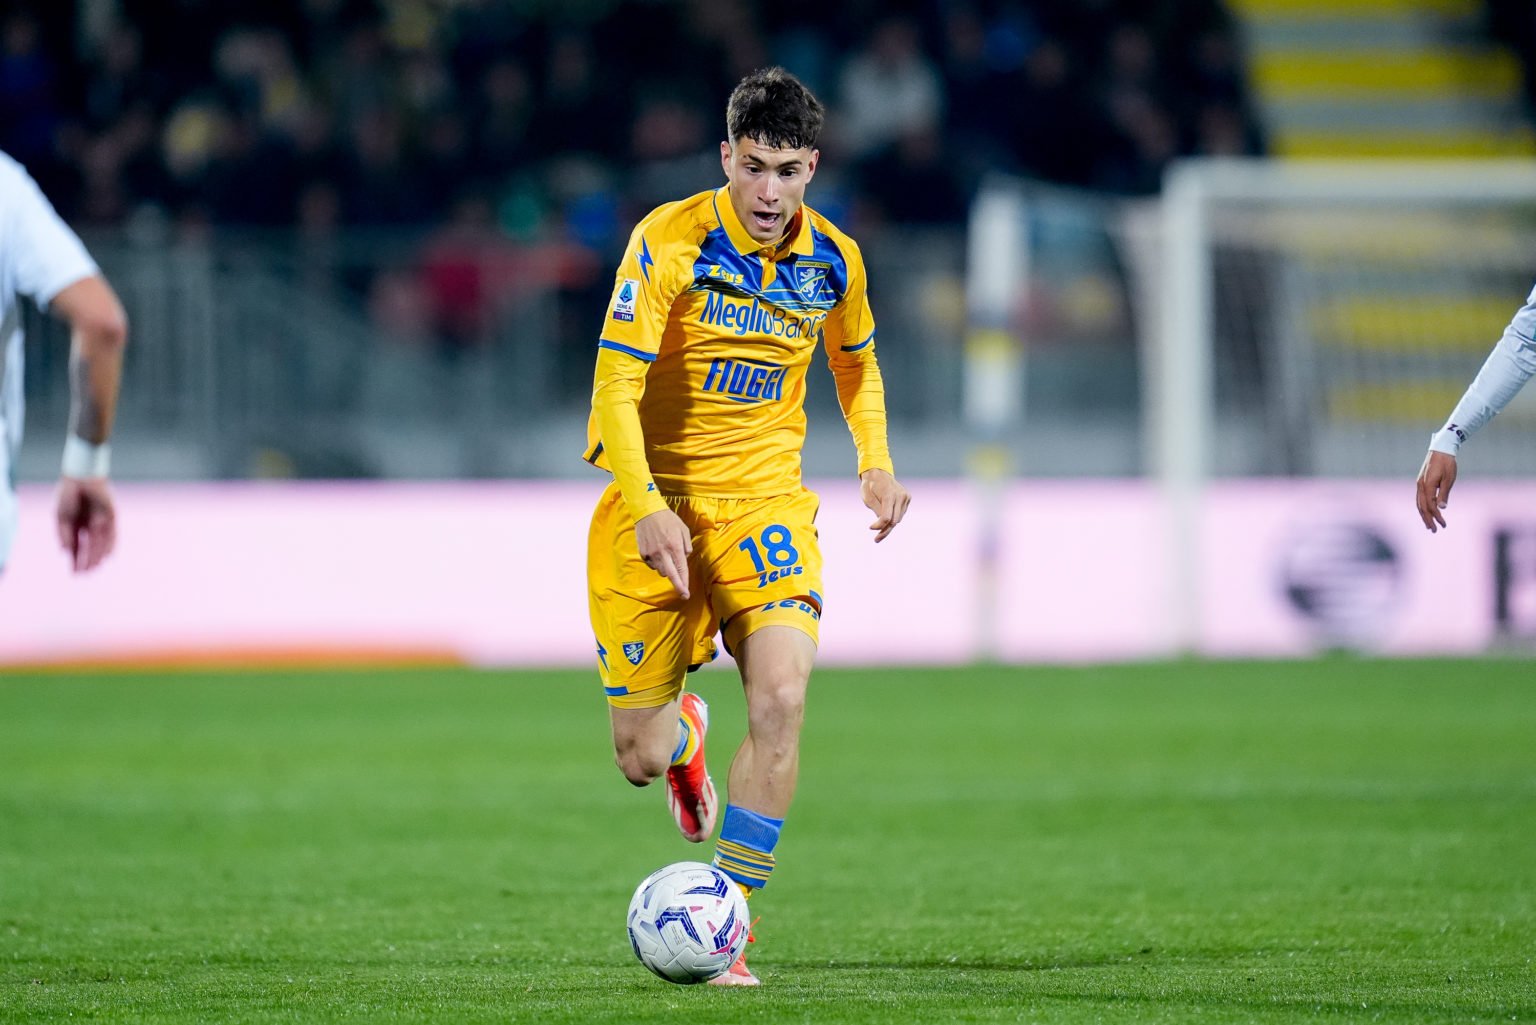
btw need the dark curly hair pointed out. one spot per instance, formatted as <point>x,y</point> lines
<point>774,108</point>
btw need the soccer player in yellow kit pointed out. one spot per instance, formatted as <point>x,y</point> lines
<point>720,303</point>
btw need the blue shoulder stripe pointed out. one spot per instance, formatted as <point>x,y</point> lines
<point>649,357</point>
<point>856,348</point>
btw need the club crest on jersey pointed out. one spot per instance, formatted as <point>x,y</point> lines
<point>634,651</point>
<point>811,279</point>
<point>624,300</point>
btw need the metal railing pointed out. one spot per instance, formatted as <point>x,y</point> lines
<point>403,355</point>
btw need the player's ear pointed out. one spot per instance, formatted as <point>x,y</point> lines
<point>725,157</point>
<point>810,165</point>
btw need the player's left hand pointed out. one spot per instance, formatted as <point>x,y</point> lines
<point>87,521</point>
<point>886,498</point>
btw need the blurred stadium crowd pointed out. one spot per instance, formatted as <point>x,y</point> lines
<point>440,189</point>
<point>576,117</point>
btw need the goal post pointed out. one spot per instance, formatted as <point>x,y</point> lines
<point>1387,280</point>
<point>1290,319</point>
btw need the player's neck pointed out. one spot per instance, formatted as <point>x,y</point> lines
<point>790,231</point>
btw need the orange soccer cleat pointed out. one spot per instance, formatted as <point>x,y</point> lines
<point>738,974</point>
<point>690,791</point>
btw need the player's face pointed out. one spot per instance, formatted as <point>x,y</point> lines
<point>767,185</point>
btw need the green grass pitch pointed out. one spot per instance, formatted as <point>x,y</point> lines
<point>1344,840</point>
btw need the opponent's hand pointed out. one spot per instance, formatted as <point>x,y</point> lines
<point>1434,491</point>
<point>665,544</point>
<point>87,521</point>
<point>886,498</point>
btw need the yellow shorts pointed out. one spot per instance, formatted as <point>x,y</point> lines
<point>755,562</point>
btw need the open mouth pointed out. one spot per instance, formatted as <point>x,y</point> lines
<point>765,220</point>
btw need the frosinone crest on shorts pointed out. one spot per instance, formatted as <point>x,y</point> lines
<point>634,651</point>
<point>624,300</point>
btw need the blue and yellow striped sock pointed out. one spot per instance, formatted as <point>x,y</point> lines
<point>745,848</point>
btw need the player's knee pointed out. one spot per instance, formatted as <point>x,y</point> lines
<point>640,766</point>
<point>778,701</point>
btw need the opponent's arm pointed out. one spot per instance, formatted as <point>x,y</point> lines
<point>1511,363</point>
<point>86,516</point>
<point>53,268</point>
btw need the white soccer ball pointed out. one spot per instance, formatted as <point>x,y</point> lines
<point>688,922</point>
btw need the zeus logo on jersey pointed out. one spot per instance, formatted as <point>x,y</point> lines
<point>719,273</point>
<point>745,380</point>
<point>742,318</point>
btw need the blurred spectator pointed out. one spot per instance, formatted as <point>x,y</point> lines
<point>1223,129</point>
<point>379,186</point>
<point>29,82</point>
<point>913,181</point>
<point>983,79</point>
<point>673,152</point>
<point>117,81</point>
<point>250,180</point>
<point>504,119</point>
<point>578,112</point>
<point>466,270</point>
<point>888,87</point>
<point>447,166</point>
<point>1512,23</point>
<point>1055,106</point>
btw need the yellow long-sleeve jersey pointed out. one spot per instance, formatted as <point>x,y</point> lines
<point>700,381</point>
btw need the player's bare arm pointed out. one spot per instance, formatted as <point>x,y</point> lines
<point>886,498</point>
<point>665,544</point>
<point>85,514</point>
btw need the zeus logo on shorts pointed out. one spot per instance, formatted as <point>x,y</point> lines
<point>793,603</point>
<point>745,380</point>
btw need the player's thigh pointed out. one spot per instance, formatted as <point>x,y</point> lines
<point>647,634</point>
<point>765,568</point>
<point>776,662</point>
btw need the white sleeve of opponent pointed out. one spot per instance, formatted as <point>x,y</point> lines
<point>48,256</point>
<point>1511,363</point>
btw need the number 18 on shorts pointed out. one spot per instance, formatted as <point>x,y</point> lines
<point>756,562</point>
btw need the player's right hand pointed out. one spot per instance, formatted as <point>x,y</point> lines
<point>665,544</point>
<point>1434,488</point>
<point>87,521</point>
